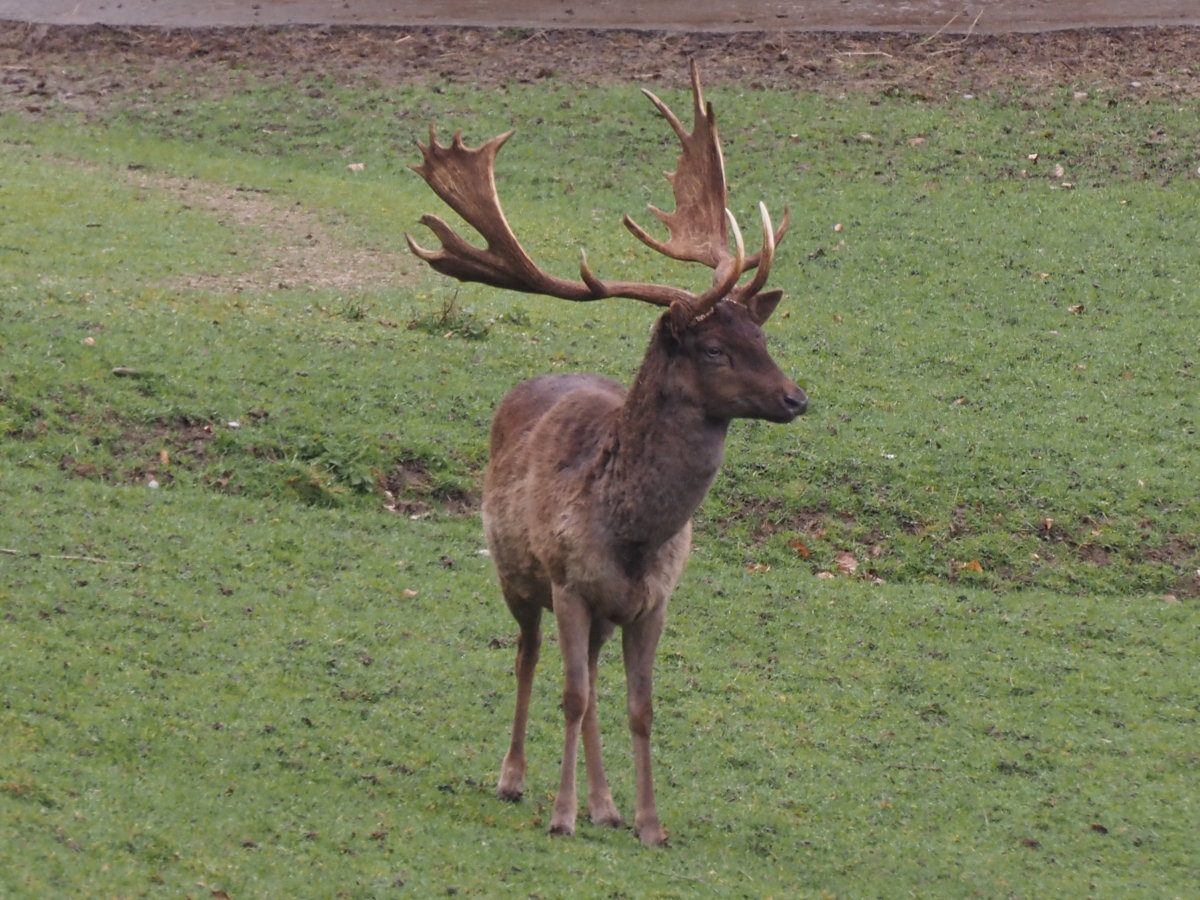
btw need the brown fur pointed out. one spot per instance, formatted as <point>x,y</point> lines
<point>588,499</point>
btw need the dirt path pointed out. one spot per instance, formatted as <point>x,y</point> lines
<point>952,16</point>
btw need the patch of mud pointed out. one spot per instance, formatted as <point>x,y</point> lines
<point>409,489</point>
<point>147,452</point>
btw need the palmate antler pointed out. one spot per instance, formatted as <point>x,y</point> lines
<point>464,177</point>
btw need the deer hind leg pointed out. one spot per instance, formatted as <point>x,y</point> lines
<point>601,809</point>
<point>574,630</point>
<point>640,641</point>
<point>529,642</point>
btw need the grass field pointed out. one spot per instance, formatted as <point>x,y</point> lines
<point>250,644</point>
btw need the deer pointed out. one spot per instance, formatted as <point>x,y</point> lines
<point>590,488</point>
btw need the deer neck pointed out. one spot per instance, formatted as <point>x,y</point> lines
<point>662,458</point>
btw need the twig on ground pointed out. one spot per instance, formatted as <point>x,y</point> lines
<point>865,53</point>
<point>930,37</point>
<point>9,551</point>
<point>966,37</point>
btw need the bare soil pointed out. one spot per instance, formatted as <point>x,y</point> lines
<point>99,66</point>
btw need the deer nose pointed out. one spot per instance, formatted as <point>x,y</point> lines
<point>796,401</point>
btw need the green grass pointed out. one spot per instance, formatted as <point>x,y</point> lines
<point>255,678</point>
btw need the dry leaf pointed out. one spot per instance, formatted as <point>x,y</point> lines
<point>409,593</point>
<point>973,566</point>
<point>825,575</point>
<point>838,228</point>
<point>164,456</point>
<point>846,563</point>
<point>755,568</point>
<point>1076,309</point>
<point>356,167</point>
<point>800,547</point>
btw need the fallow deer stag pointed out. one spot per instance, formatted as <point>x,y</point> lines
<point>590,488</point>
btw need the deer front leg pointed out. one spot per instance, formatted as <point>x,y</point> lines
<point>601,808</point>
<point>529,641</point>
<point>640,641</point>
<point>574,628</point>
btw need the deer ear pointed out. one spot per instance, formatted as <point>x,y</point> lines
<point>762,305</point>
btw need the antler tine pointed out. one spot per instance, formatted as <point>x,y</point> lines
<point>753,260</point>
<point>765,257</point>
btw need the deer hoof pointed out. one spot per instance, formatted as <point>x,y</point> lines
<point>606,816</point>
<point>607,820</point>
<point>651,834</point>
<point>562,829</point>
<point>512,781</point>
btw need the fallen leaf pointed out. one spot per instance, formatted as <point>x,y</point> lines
<point>846,563</point>
<point>356,167</point>
<point>1059,171</point>
<point>757,567</point>
<point>800,547</point>
<point>409,593</point>
<point>1075,310</point>
<point>973,566</point>
<point>825,575</point>
<point>164,456</point>
<point>839,227</point>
